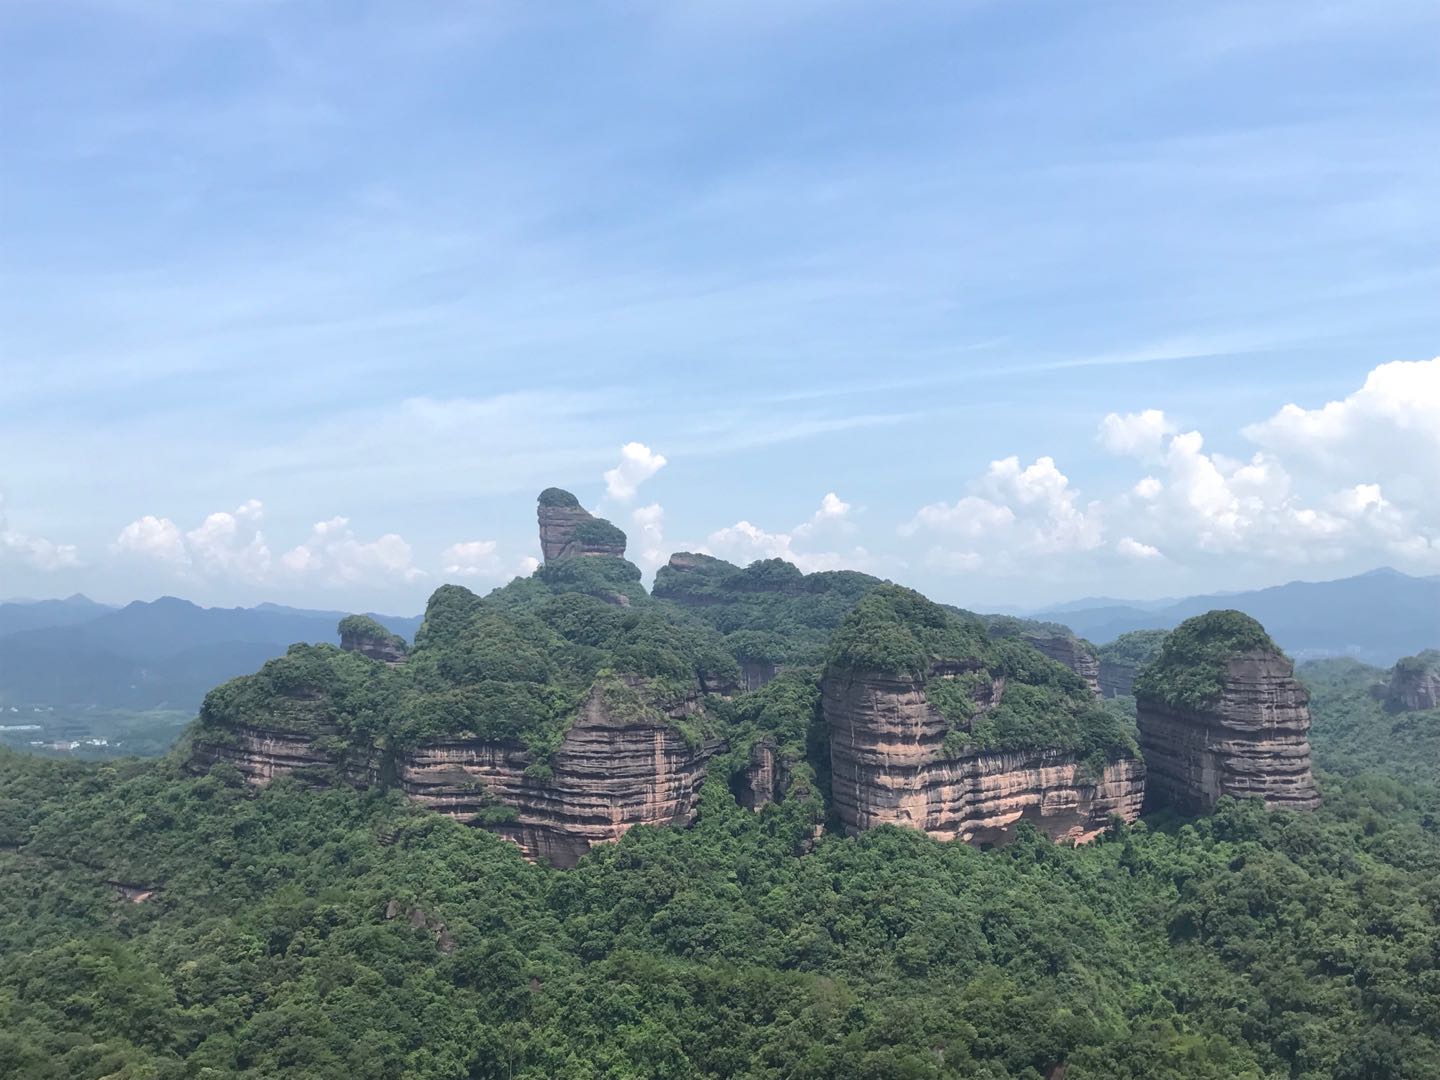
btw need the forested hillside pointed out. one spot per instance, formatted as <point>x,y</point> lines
<point>158,923</point>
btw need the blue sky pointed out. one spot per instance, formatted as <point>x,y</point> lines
<point>271,264</point>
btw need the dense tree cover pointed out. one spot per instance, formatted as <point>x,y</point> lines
<point>1015,626</point>
<point>554,496</point>
<point>364,628</point>
<point>347,935</point>
<point>768,611</point>
<point>597,532</point>
<point>1354,731</point>
<point>514,666</point>
<point>1137,648</point>
<point>1190,669</point>
<point>896,631</point>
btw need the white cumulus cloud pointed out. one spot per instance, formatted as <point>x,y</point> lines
<point>334,555</point>
<point>1134,549</point>
<point>35,551</point>
<point>1139,434</point>
<point>637,464</point>
<point>225,545</point>
<point>156,538</point>
<point>648,535</point>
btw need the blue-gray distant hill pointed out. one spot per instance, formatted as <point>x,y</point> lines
<point>1376,617</point>
<point>164,653</point>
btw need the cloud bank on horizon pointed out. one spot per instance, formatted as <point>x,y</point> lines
<point>305,303</point>
<point>1325,487</point>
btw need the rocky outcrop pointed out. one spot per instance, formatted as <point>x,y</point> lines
<point>765,777</point>
<point>1250,741</point>
<point>609,774</point>
<point>1075,654</point>
<point>1414,683</point>
<point>1117,679</point>
<point>619,765</point>
<point>889,766</point>
<point>756,673</point>
<point>262,754</point>
<point>363,635</point>
<point>567,528</point>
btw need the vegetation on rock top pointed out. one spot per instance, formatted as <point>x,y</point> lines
<point>597,532</point>
<point>365,628</point>
<point>768,611</point>
<point>897,632</point>
<point>1135,648</point>
<point>554,496</point>
<point>1190,671</point>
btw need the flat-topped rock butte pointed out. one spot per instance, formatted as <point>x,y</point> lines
<point>1244,732</point>
<point>897,753</point>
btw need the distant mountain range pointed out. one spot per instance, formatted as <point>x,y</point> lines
<point>167,653</point>
<point>164,653</point>
<point>1376,617</point>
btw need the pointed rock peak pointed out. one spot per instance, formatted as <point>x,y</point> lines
<point>567,528</point>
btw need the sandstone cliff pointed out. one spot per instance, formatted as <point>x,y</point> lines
<point>361,634</point>
<point>1054,641</point>
<point>1221,713</point>
<point>622,762</point>
<point>617,767</point>
<point>567,528</point>
<point>765,777</point>
<point>1117,679</point>
<point>890,766</point>
<point>1414,683</point>
<point>1075,654</point>
<point>262,754</point>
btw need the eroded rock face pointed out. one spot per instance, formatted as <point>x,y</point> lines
<point>1252,742</point>
<point>765,778</point>
<point>610,773</point>
<point>1073,653</point>
<point>756,673</point>
<point>561,518</point>
<point>387,648</point>
<point>888,767</point>
<point>261,755</point>
<point>1117,680</point>
<point>1414,683</point>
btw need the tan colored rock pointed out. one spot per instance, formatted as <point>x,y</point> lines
<point>610,773</point>
<point>889,767</point>
<point>765,778</point>
<point>1252,742</point>
<point>560,517</point>
<point>261,755</point>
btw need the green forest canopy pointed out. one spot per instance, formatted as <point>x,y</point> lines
<point>1189,673</point>
<point>160,925</point>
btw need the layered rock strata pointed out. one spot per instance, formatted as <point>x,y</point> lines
<point>372,640</point>
<point>1073,653</point>
<point>1251,742</point>
<point>567,528</point>
<point>262,754</point>
<point>889,767</point>
<point>1117,679</point>
<point>611,772</point>
<point>764,779</point>
<point>1414,683</point>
